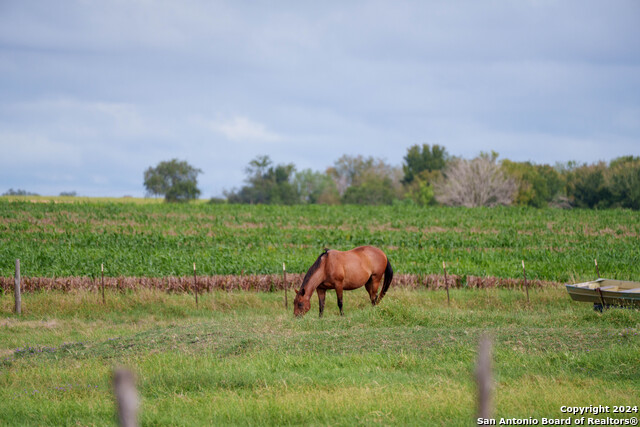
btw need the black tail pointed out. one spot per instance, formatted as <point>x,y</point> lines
<point>388,276</point>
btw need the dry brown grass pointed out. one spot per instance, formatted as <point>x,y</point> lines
<point>254,282</point>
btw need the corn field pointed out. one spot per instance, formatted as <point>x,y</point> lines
<point>156,242</point>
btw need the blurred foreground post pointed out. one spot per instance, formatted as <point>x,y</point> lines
<point>483,377</point>
<point>16,289</point>
<point>126,397</point>
<point>286,288</point>
<point>446,283</point>
<point>526,286</point>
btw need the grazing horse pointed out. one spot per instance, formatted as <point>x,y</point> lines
<point>344,271</point>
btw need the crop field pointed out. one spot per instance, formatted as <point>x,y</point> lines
<point>240,358</point>
<point>160,240</point>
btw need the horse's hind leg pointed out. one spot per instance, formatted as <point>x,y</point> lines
<point>339,295</point>
<point>372,287</point>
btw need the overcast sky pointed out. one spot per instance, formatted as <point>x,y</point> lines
<point>94,92</point>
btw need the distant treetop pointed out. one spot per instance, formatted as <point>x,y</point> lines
<point>176,180</point>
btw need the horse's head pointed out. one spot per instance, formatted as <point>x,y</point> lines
<point>301,303</point>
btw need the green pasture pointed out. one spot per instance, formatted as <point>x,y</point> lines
<point>159,239</point>
<point>240,359</point>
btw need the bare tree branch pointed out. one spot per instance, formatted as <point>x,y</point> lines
<point>477,182</point>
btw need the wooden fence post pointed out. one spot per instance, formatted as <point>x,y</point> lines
<point>286,288</point>
<point>526,286</point>
<point>483,378</point>
<point>102,278</point>
<point>126,397</point>
<point>195,283</point>
<point>16,288</point>
<point>446,283</point>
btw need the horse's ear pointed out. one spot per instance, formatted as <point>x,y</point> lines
<point>301,293</point>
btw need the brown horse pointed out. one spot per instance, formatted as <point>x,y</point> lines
<point>344,271</point>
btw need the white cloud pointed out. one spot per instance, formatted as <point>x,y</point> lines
<point>71,116</point>
<point>241,128</point>
<point>26,149</point>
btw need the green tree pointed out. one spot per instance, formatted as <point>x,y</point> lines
<point>282,190</point>
<point>538,185</point>
<point>257,191</point>
<point>624,182</point>
<point>371,190</point>
<point>176,180</point>
<point>19,192</point>
<point>316,187</point>
<point>422,168</point>
<point>349,170</point>
<point>587,186</point>
<point>267,184</point>
<point>365,180</point>
<point>425,158</point>
<point>421,190</point>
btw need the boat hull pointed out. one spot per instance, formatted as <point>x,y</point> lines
<point>607,292</point>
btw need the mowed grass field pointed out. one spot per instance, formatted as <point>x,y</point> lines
<point>241,359</point>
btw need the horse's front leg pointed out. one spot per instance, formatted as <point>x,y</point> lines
<point>321,294</point>
<point>339,294</point>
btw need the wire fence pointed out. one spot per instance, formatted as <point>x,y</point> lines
<point>254,282</point>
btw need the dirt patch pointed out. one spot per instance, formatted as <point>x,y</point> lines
<point>245,225</point>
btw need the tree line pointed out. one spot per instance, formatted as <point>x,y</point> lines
<point>429,175</point>
<point>20,192</point>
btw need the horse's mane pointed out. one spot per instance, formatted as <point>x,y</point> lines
<point>313,269</point>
